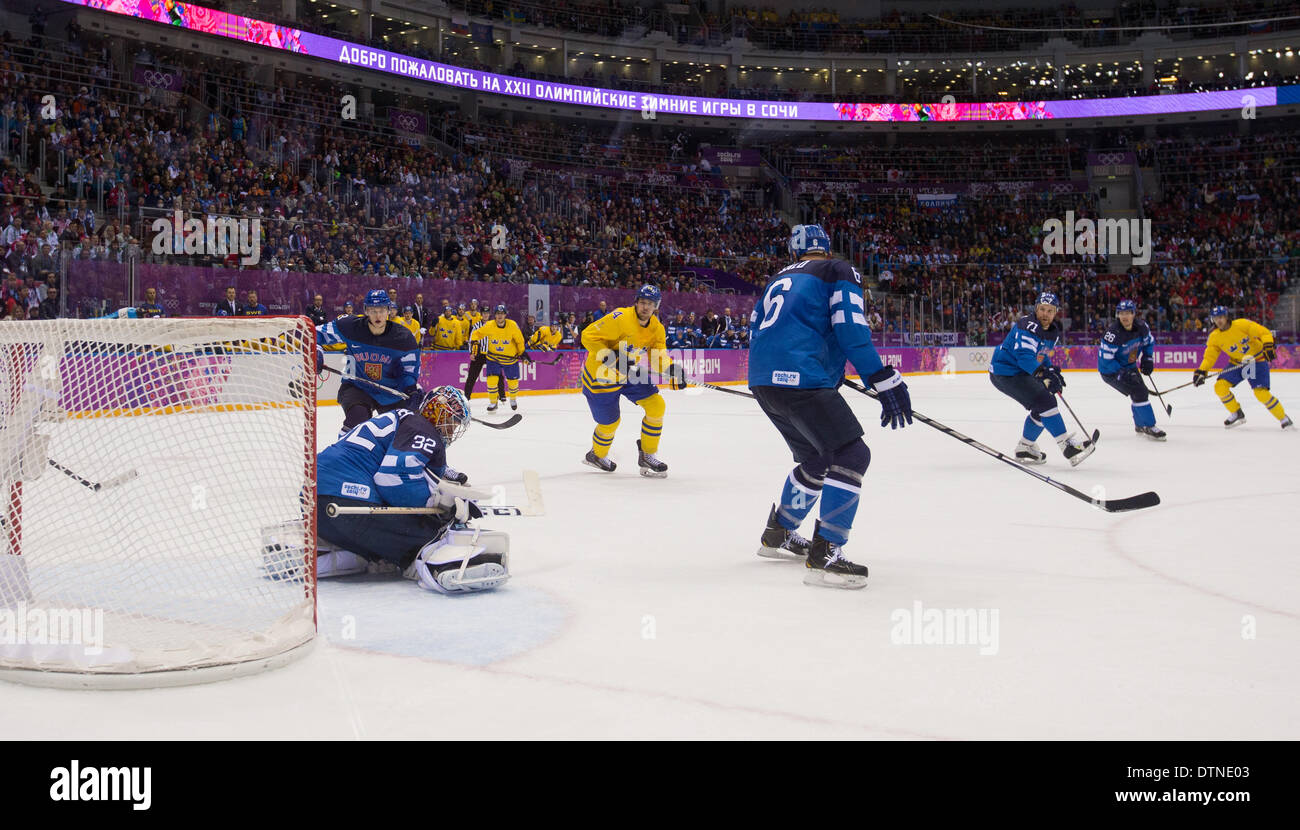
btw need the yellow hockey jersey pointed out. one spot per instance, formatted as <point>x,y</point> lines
<point>446,333</point>
<point>620,331</point>
<point>501,344</point>
<point>545,338</point>
<point>1243,337</point>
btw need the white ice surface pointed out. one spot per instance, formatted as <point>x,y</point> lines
<point>638,607</point>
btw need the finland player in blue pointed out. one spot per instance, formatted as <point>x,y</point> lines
<point>399,459</point>
<point>1022,369</point>
<point>1127,347</point>
<point>809,322</point>
<point>378,348</point>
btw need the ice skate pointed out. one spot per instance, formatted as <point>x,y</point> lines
<point>492,406</point>
<point>1027,452</point>
<point>602,464</point>
<point>827,567</point>
<point>651,466</point>
<point>1154,433</point>
<point>1075,451</point>
<point>1235,419</point>
<point>514,405</point>
<point>779,543</point>
<point>1286,423</point>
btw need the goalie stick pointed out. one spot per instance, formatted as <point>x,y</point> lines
<point>532,489</point>
<point>506,424</point>
<point>1137,502</point>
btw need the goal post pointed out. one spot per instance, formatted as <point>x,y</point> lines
<point>157,499</point>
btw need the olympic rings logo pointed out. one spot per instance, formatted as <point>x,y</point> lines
<point>409,123</point>
<point>1114,158</point>
<point>157,79</point>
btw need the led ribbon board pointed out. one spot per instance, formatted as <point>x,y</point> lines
<point>259,32</point>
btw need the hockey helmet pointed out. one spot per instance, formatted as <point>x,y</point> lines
<point>446,408</point>
<point>809,239</point>
<point>1126,305</point>
<point>500,309</point>
<point>1219,311</point>
<point>651,293</point>
<point>1048,298</point>
<point>378,299</point>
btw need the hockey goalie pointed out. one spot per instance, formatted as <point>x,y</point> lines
<point>399,459</point>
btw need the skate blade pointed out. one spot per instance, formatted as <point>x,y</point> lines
<point>649,473</point>
<point>1032,461</point>
<point>1151,437</point>
<point>1235,423</point>
<point>822,579</point>
<point>1078,459</point>
<point>597,466</point>
<point>780,553</point>
<point>477,578</point>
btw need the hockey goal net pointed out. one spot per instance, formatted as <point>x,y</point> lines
<point>158,482</point>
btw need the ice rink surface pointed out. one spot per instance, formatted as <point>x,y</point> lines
<point>639,609</point>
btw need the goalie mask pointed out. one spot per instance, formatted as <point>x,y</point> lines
<point>446,408</point>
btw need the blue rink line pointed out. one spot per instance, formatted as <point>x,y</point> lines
<point>391,615</point>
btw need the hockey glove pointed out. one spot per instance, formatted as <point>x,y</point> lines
<point>455,476</point>
<point>1051,377</point>
<point>676,376</point>
<point>1129,377</point>
<point>320,360</point>
<point>1269,353</point>
<point>1199,376</point>
<point>895,402</point>
<point>526,357</point>
<point>413,399</point>
<point>1147,364</point>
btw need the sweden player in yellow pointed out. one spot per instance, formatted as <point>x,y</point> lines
<point>446,332</point>
<point>615,345</point>
<point>546,338</point>
<point>1250,349</point>
<point>503,344</point>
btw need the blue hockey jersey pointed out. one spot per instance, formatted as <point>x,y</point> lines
<point>1120,347</point>
<point>1025,347</point>
<point>391,358</point>
<point>810,320</point>
<point>386,460</point>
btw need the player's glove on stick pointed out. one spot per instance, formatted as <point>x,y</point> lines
<point>676,376</point>
<point>1147,365</point>
<point>1199,376</point>
<point>895,402</point>
<point>1130,377</point>
<point>320,360</point>
<point>1269,352</point>
<point>1051,377</point>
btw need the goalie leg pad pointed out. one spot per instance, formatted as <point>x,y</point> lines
<point>339,563</point>
<point>463,560</point>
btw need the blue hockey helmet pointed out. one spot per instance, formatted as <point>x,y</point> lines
<point>1219,311</point>
<point>1126,305</point>
<point>378,298</point>
<point>1048,298</point>
<point>809,239</point>
<point>500,309</point>
<point>651,293</point>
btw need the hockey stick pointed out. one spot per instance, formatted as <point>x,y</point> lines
<point>1207,377</point>
<point>716,388</point>
<point>1137,502</point>
<point>1096,433</point>
<point>95,486</point>
<point>1169,410</point>
<point>506,424</point>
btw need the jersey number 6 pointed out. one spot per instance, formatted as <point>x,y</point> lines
<point>772,301</point>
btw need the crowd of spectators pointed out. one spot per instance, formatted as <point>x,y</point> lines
<point>356,199</point>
